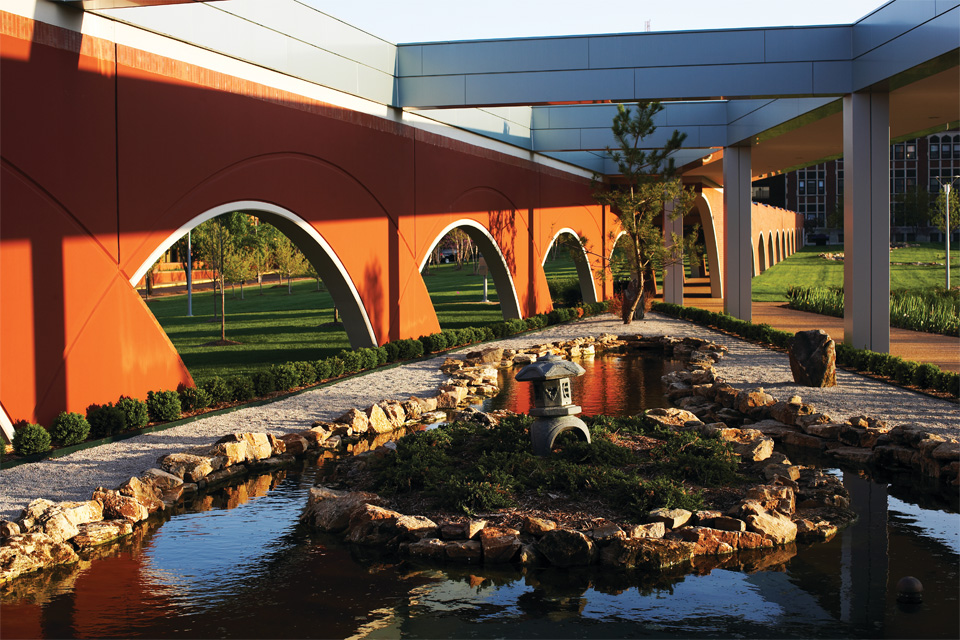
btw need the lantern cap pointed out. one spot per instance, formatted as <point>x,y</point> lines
<point>549,368</point>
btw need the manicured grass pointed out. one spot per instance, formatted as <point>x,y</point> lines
<point>805,269</point>
<point>274,328</point>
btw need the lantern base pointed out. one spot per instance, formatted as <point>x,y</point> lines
<point>544,431</point>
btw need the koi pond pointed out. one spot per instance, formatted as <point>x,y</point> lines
<point>236,563</point>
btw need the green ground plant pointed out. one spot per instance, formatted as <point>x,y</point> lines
<point>929,310</point>
<point>30,438</point>
<point>469,468</point>
<point>69,428</point>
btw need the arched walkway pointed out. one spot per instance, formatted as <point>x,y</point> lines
<point>588,289</point>
<point>760,262</point>
<point>701,207</point>
<point>345,296</point>
<point>494,257</point>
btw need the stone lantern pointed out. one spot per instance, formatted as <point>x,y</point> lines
<point>553,402</point>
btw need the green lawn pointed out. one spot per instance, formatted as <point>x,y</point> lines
<point>804,268</point>
<point>275,327</point>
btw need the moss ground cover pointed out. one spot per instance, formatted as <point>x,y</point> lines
<point>631,467</point>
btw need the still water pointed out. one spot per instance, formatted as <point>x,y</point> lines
<point>237,565</point>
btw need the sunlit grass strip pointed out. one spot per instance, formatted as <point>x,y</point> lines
<point>931,310</point>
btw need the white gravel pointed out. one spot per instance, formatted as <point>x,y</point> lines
<point>746,365</point>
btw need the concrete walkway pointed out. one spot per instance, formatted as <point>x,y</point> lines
<point>943,351</point>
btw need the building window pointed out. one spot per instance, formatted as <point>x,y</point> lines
<point>898,152</point>
<point>821,187</point>
<point>911,151</point>
<point>935,147</point>
<point>800,184</point>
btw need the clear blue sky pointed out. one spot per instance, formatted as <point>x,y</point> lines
<point>430,20</point>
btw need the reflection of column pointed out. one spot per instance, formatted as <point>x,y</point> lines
<point>738,246</point>
<point>673,273</point>
<point>866,221</point>
<point>863,561</point>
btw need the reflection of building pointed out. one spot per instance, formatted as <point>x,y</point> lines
<point>816,191</point>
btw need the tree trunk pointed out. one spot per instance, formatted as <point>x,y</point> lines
<point>223,315</point>
<point>631,300</point>
<point>289,285</point>
<point>260,281</point>
<point>241,289</point>
<point>336,314</point>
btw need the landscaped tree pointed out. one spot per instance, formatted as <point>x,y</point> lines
<point>648,182</point>
<point>287,257</point>
<point>914,206</point>
<point>259,242</point>
<point>215,242</point>
<point>939,211</point>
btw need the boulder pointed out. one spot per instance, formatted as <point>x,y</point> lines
<point>671,416</point>
<point>499,544</point>
<point>464,551</point>
<point>258,444</point>
<point>9,529</point>
<point>412,409</point>
<point>648,554</point>
<point>355,419</point>
<point>426,404</point>
<point>605,533</point>
<point>430,548</point>
<point>315,436</point>
<point>651,530</point>
<point>671,518</point>
<point>449,399</point>
<point>187,466</point>
<point>813,358</point>
<point>377,420</point>
<point>710,541</point>
<point>566,548</point>
<point>773,497</point>
<point>32,551</point>
<point>415,527</point>
<point>726,523</point>
<point>754,403</point>
<point>775,526</point>
<point>117,506</point>
<point>149,495</point>
<point>234,452</point>
<point>93,534</point>
<point>537,526</point>
<point>810,531</point>
<point>373,525</point>
<point>394,412</point>
<point>789,412</point>
<point>330,510</point>
<point>295,444</point>
<point>161,479</point>
<point>947,452</point>
<point>59,520</point>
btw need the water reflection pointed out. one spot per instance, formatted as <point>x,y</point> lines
<point>237,564</point>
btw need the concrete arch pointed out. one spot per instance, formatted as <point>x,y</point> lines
<point>588,288</point>
<point>708,224</point>
<point>760,256</point>
<point>770,250</point>
<point>356,322</point>
<point>496,262</point>
<point>779,248</point>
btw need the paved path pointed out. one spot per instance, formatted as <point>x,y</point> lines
<point>943,351</point>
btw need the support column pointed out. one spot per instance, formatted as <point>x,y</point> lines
<point>673,273</point>
<point>737,243</point>
<point>866,221</point>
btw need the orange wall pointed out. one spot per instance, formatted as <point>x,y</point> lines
<point>77,223</point>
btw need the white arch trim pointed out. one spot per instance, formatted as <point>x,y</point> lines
<point>511,300</point>
<point>6,425</point>
<point>587,285</point>
<point>264,207</point>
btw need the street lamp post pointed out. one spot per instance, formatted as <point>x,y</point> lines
<point>946,189</point>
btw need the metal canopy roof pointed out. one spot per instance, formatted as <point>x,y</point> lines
<point>776,89</point>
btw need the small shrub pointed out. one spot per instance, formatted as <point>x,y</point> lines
<point>70,428</point>
<point>285,376</point>
<point>393,350</point>
<point>949,382</point>
<point>241,388</point>
<point>135,415</point>
<point>322,367</point>
<point>845,354</point>
<point>264,382</point>
<point>925,375</point>
<point>105,420</point>
<point>337,368</point>
<point>410,348</point>
<point>217,390</point>
<point>30,438</point>
<point>434,343</point>
<point>351,361</point>
<point>195,398</point>
<point>306,373</point>
<point>163,406</point>
<point>382,356</point>
<point>904,371</point>
<point>368,358</point>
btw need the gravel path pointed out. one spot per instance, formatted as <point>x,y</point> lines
<point>746,365</point>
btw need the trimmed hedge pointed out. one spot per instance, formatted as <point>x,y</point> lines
<point>195,398</point>
<point>135,413</point>
<point>105,420</point>
<point>905,372</point>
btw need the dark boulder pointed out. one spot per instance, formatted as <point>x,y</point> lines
<point>813,359</point>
